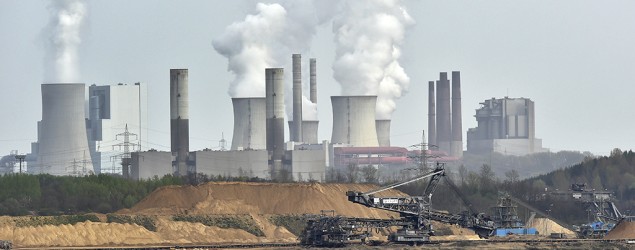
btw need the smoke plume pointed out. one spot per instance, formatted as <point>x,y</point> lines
<point>368,35</point>
<point>63,39</point>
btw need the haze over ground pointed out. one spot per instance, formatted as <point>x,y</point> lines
<point>573,58</point>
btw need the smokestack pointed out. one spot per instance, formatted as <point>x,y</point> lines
<point>354,120</point>
<point>62,139</point>
<point>312,81</point>
<point>274,84</point>
<point>457,127</point>
<point>179,119</point>
<point>249,123</point>
<point>432,119</point>
<point>297,98</point>
<point>444,126</point>
<point>383,132</point>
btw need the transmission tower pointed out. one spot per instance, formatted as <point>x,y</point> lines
<point>222,143</point>
<point>125,157</point>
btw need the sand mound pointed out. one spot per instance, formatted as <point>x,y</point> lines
<point>623,230</point>
<point>258,198</point>
<point>546,226</point>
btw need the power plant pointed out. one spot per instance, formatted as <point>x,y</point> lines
<point>506,126</point>
<point>258,145</point>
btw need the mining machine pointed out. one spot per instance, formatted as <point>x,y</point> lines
<point>413,225</point>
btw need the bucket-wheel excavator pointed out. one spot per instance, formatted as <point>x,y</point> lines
<point>413,225</point>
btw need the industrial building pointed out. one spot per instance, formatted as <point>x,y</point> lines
<point>445,126</point>
<point>112,110</point>
<point>505,126</point>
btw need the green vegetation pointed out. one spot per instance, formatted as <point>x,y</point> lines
<point>294,223</point>
<point>35,221</point>
<point>149,222</point>
<point>22,194</point>
<point>244,222</point>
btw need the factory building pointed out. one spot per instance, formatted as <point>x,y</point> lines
<point>505,126</point>
<point>150,164</point>
<point>445,126</point>
<point>62,146</point>
<point>112,109</point>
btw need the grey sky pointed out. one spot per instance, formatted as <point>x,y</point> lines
<point>575,59</point>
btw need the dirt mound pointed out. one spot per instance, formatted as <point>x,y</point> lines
<point>623,230</point>
<point>546,226</point>
<point>258,198</point>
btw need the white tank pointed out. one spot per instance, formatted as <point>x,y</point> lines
<point>354,120</point>
<point>383,132</point>
<point>249,123</point>
<point>63,143</point>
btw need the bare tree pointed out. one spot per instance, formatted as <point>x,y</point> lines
<point>352,172</point>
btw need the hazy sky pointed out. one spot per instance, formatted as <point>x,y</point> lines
<point>575,59</point>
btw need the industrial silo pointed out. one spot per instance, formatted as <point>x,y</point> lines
<point>63,143</point>
<point>249,123</point>
<point>354,120</point>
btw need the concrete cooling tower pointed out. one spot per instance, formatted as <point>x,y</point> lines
<point>249,123</point>
<point>354,120</point>
<point>383,132</point>
<point>179,119</point>
<point>63,143</point>
<point>309,131</point>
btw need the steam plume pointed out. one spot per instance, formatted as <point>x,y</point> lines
<point>265,39</point>
<point>63,39</point>
<point>368,35</point>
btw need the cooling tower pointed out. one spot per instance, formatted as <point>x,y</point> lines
<point>63,143</point>
<point>432,120</point>
<point>179,119</point>
<point>312,81</point>
<point>456,144</point>
<point>297,97</point>
<point>444,126</point>
<point>309,131</point>
<point>354,120</point>
<point>383,132</point>
<point>249,123</point>
<point>274,84</point>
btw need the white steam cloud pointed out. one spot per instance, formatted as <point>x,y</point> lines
<point>63,39</point>
<point>368,35</point>
<point>265,39</point>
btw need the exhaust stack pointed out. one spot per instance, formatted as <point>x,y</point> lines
<point>297,98</point>
<point>179,120</point>
<point>274,83</point>
<point>457,127</point>
<point>312,80</point>
<point>444,125</point>
<point>432,119</point>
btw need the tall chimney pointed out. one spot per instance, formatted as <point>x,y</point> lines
<point>179,119</point>
<point>297,98</point>
<point>312,81</point>
<point>457,127</point>
<point>274,83</point>
<point>444,125</point>
<point>432,119</point>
